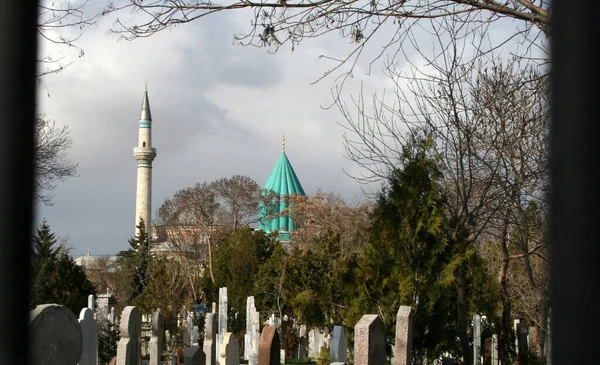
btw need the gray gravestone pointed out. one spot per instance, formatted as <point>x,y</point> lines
<point>194,356</point>
<point>338,349</point>
<point>210,338</point>
<point>129,350</point>
<point>56,336</point>
<point>156,339</point>
<point>269,347</point>
<point>477,339</point>
<point>369,341</point>
<point>222,316</point>
<point>404,333</point>
<point>229,351</point>
<point>89,331</point>
<point>254,340</point>
<point>248,336</point>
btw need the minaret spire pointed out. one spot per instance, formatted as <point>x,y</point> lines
<point>144,154</point>
<point>282,143</point>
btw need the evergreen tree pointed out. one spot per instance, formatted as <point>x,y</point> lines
<point>135,262</point>
<point>57,279</point>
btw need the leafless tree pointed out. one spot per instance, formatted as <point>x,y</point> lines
<point>191,219</point>
<point>241,196</point>
<point>489,122</point>
<point>51,164</point>
<point>329,213</point>
<point>61,23</point>
<point>278,22</point>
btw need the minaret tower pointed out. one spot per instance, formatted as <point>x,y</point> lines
<point>144,155</point>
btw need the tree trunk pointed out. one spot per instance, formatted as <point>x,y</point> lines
<point>461,316</point>
<point>210,266</point>
<point>505,338</point>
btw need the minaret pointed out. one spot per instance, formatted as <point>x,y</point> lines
<point>144,155</point>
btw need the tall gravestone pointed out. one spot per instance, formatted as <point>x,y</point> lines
<point>129,350</point>
<point>477,339</point>
<point>89,331</point>
<point>210,338</point>
<point>495,360</point>
<point>269,347</point>
<point>248,336</point>
<point>338,350</point>
<point>156,337</point>
<point>222,317</point>
<point>369,341</point>
<point>303,342</point>
<point>522,343</point>
<point>255,338</point>
<point>404,333</point>
<point>229,350</point>
<point>194,356</point>
<point>56,336</point>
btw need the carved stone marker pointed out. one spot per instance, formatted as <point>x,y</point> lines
<point>229,351</point>
<point>89,331</point>
<point>129,347</point>
<point>222,317</point>
<point>477,339</point>
<point>56,336</point>
<point>269,347</point>
<point>210,338</point>
<point>156,339</point>
<point>338,350</point>
<point>369,341</point>
<point>404,333</point>
<point>194,356</point>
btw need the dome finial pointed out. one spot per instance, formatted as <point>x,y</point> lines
<point>282,143</point>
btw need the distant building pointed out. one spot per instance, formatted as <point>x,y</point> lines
<point>284,183</point>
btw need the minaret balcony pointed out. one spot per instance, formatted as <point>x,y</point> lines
<point>144,153</point>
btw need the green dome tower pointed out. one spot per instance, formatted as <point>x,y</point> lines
<point>283,182</point>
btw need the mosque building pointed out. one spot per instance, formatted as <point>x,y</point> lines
<point>283,182</point>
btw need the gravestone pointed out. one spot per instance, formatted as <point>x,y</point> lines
<point>522,345</point>
<point>229,351</point>
<point>129,346</point>
<point>255,339</point>
<point>477,339</point>
<point>195,336</point>
<point>282,357</point>
<point>222,319</point>
<point>56,336</point>
<point>89,331</point>
<point>369,341</point>
<point>487,351</point>
<point>495,359</point>
<point>156,337</point>
<point>92,304</point>
<point>302,344</point>
<point>338,349</point>
<point>404,333</point>
<point>248,336</point>
<point>194,356</point>
<point>210,338</point>
<point>269,347</point>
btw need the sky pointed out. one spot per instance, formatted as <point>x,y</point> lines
<point>218,109</point>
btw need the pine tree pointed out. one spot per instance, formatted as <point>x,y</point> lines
<point>135,261</point>
<point>57,279</point>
